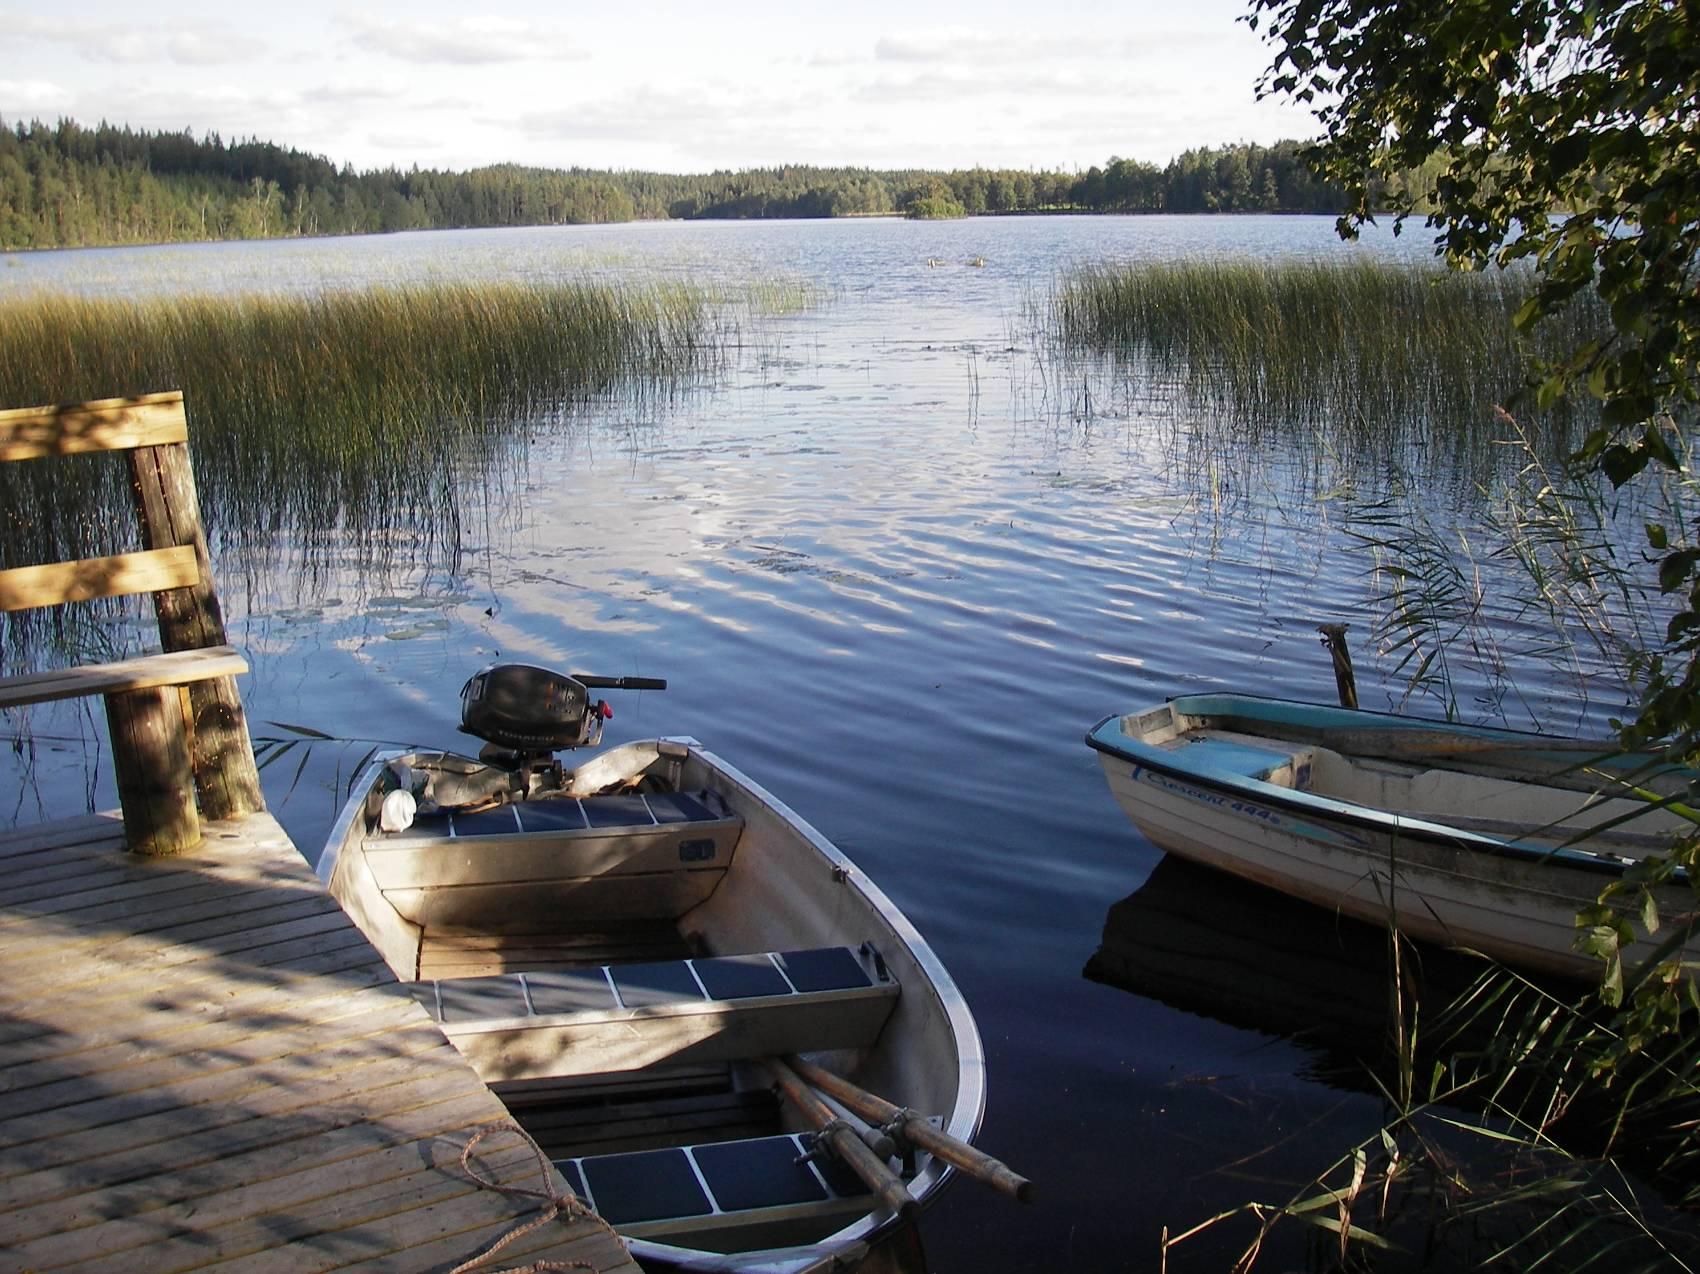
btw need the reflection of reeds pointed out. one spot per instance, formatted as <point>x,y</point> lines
<point>1359,343</point>
<point>371,418</point>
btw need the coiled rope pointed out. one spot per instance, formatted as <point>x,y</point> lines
<point>566,1207</point>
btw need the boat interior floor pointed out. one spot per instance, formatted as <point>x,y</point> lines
<point>701,1155</point>
<point>644,1111</point>
<point>1511,807</point>
<point>446,953</point>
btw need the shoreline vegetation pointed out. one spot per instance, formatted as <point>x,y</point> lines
<point>376,421</point>
<point>1361,346</point>
<point>65,185</point>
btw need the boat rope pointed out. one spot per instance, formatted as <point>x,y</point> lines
<point>567,1207</point>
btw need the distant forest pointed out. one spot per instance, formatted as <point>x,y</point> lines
<point>64,185</point>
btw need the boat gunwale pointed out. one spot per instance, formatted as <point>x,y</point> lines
<point>965,1118</point>
<point>1382,822</point>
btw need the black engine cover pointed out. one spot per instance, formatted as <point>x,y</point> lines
<point>525,708</point>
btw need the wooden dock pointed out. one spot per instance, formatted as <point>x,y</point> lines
<point>205,1066</point>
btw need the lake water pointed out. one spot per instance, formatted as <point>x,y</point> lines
<point>894,564</point>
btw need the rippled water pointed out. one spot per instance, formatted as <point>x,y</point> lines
<point>894,565</point>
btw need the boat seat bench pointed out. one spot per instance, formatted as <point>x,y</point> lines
<point>560,861</point>
<point>661,1193</point>
<point>1243,760</point>
<point>627,1017</point>
<point>555,815</point>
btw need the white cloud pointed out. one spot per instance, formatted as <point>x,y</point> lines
<point>466,41</point>
<point>973,48</point>
<point>20,99</point>
<point>668,85</point>
<point>210,44</point>
<point>952,86</point>
<point>408,143</point>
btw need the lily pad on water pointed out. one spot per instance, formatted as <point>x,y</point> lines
<point>391,602</point>
<point>421,629</point>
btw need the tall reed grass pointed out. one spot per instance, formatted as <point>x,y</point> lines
<point>373,419</point>
<point>1362,348</point>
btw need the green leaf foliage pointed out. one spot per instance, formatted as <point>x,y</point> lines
<point>1564,135</point>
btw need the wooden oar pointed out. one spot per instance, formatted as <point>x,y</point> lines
<point>906,1123</point>
<point>843,1140</point>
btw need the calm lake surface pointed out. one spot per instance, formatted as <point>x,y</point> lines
<point>894,563</point>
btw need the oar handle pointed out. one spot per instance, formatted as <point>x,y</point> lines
<point>959,1154</point>
<point>842,1140</point>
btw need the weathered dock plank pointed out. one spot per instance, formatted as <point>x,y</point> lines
<point>265,1111</point>
<point>321,958</point>
<point>44,837</point>
<point>239,1086</point>
<point>203,1065</point>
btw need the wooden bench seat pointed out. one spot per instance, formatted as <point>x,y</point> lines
<point>682,1191</point>
<point>175,668</point>
<point>626,1017</point>
<point>176,719</point>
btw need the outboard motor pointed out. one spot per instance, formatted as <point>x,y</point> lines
<point>528,712</point>
<point>525,714</point>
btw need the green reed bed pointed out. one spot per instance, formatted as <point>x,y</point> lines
<point>359,410</point>
<point>1356,344</point>
<point>374,418</point>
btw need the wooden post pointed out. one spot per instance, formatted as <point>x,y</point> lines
<point>1345,681</point>
<point>150,760</point>
<point>222,755</point>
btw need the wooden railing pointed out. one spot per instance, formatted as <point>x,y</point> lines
<point>175,718</point>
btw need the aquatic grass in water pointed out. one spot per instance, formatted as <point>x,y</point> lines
<point>377,418</point>
<point>1581,601</point>
<point>1362,347</point>
<point>1381,387</point>
<point>1500,1148</point>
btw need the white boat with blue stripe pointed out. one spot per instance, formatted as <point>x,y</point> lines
<point>634,952</point>
<point>1477,837</point>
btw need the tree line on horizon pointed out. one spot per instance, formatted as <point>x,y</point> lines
<point>66,185</point>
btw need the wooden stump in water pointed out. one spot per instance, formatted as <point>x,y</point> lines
<point>1345,680</point>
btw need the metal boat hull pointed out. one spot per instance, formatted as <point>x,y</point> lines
<point>1443,831</point>
<point>735,872</point>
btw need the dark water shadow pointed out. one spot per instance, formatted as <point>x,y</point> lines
<point>1212,944</point>
<point>1380,1015</point>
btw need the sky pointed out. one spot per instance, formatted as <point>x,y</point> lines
<point>657,85</point>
